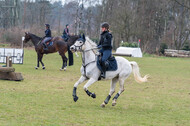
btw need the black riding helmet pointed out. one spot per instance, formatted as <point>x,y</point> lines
<point>105,25</point>
<point>47,25</point>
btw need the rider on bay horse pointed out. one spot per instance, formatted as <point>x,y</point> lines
<point>66,33</point>
<point>66,36</point>
<point>106,47</point>
<point>47,36</point>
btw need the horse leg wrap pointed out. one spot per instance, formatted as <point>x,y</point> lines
<point>90,94</point>
<point>107,99</point>
<point>74,91</point>
<point>75,98</point>
<point>116,96</point>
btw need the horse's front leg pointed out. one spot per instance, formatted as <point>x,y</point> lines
<point>82,79</point>
<point>64,65</point>
<point>40,59</point>
<point>90,82</point>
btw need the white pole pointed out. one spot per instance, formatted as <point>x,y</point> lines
<point>22,42</point>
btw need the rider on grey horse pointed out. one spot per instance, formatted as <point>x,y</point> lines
<point>47,36</point>
<point>106,47</point>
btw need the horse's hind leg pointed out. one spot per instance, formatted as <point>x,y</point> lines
<point>40,56</point>
<point>121,83</point>
<point>112,90</point>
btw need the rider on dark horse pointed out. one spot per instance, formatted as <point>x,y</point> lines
<point>106,47</point>
<point>66,33</point>
<point>47,36</point>
<point>66,36</point>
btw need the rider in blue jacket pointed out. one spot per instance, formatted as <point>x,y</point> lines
<point>106,47</point>
<point>47,36</point>
<point>66,33</point>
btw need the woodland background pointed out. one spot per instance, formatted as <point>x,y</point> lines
<point>154,22</point>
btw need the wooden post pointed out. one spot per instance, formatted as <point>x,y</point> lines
<point>8,72</point>
<point>7,61</point>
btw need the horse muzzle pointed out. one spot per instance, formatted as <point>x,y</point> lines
<point>73,49</point>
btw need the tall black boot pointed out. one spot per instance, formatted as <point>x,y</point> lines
<point>45,46</point>
<point>103,74</point>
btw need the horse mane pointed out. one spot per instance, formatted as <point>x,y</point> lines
<point>93,44</point>
<point>35,36</point>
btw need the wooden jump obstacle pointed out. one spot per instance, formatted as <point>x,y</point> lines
<point>176,53</point>
<point>8,72</point>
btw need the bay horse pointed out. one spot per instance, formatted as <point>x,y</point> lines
<point>90,71</point>
<point>59,45</point>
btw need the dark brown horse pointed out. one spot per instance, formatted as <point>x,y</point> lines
<point>59,45</point>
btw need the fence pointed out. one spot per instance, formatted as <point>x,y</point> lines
<point>16,55</point>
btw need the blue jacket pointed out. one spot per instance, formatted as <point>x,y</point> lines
<point>48,33</point>
<point>66,31</point>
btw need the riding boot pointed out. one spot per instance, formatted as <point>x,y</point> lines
<point>103,72</point>
<point>45,46</point>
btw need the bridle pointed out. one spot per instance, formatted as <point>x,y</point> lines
<point>83,57</point>
<point>79,47</point>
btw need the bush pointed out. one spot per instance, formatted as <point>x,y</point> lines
<point>126,44</point>
<point>12,36</point>
<point>186,47</point>
<point>163,46</point>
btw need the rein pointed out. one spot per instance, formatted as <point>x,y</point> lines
<point>40,41</point>
<point>83,57</point>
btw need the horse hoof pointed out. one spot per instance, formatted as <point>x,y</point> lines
<point>36,68</point>
<point>75,98</point>
<point>93,95</point>
<point>114,103</point>
<point>43,67</point>
<point>60,69</point>
<point>65,69</point>
<point>103,105</point>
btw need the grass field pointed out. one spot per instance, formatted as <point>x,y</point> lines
<point>44,98</point>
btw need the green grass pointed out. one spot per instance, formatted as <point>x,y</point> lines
<point>44,98</point>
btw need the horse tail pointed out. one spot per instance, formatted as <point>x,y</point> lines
<point>137,74</point>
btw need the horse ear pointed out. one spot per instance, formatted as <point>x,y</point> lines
<point>83,36</point>
<point>25,33</point>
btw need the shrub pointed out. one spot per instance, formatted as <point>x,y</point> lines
<point>12,36</point>
<point>126,44</point>
<point>186,47</point>
<point>163,46</point>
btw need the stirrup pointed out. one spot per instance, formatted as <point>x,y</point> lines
<point>103,75</point>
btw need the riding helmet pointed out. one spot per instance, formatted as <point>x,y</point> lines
<point>105,25</point>
<point>47,25</point>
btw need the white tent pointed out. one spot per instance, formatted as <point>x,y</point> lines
<point>134,52</point>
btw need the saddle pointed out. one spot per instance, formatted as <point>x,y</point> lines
<point>48,42</point>
<point>65,37</point>
<point>112,64</point>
